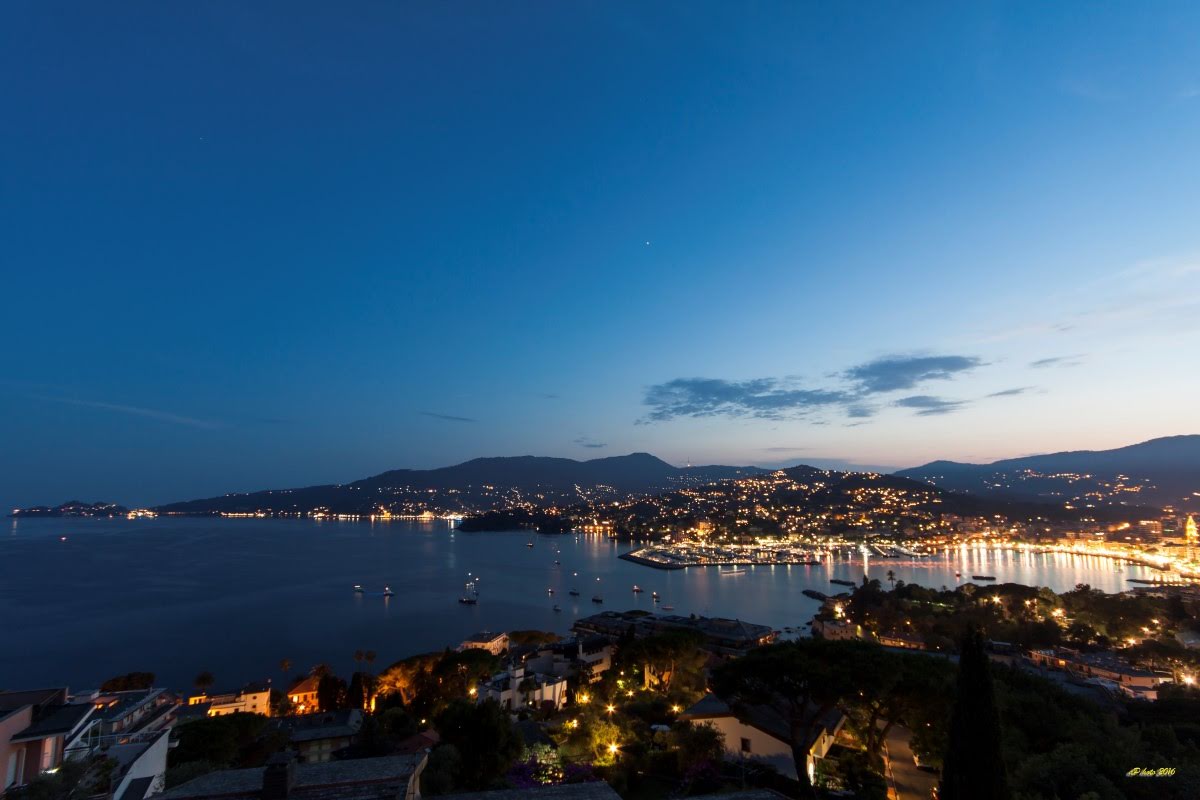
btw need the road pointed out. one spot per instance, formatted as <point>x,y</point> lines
<point>907,782</point>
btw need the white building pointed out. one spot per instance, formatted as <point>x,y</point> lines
<point>761,733</point>
<point>516,688</point>
<point>494,643</point>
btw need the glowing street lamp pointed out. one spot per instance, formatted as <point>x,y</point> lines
<point>610,708</point>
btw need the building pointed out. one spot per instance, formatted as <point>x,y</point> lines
<point>303,694</point>
<point>130,729</point>
<point>517,687</point>
<point>588,656</point>
<point>1103,667</point>
<point>494,643</point>
<point>36,728</point>
<point>316,737</point>
<point>836,629</point>
<point>762,733</point>
<point>254,698</point>
<point>386,778</point>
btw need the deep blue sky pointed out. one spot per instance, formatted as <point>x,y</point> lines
<point>251,245</point>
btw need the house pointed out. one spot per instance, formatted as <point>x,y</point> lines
<point>316,737</point>
<point>254,698</point>
<point>762,732</point>
<point>836,629</point>
<point>303,694</point>
<point>517,687</point>
<point>588,656</point>
<point>386,778</point>
<point>1129,679</point>
<point>36,727</point>
<point>494,643</point>
<point>131,732</point>
<point>141,766</point>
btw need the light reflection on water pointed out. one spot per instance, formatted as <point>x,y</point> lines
<point>177,596</point>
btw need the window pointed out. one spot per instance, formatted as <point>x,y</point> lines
<point>745,745</point>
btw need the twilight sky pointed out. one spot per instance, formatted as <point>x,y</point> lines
<point>278,244</point>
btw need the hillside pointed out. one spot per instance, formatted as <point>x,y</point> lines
<point>479,484</point>
<point>1158,472</point>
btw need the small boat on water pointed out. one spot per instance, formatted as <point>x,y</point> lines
<point>637,589</point>
<point>387,591</point>
<point>597,599</point>
<point>358,589</point>
<point>957,574</point>
<point>529,543</point>
<point>668,608</point>
<point>557,563</point>
<point>841,582</point>
<point>814,594</point>
<point>557,609</point>
<point>550,591</point>
<point>468,601</point>
<point>574,593</point>
<point>734,571</point>
<point>983,577</point>
<point>654,596</point>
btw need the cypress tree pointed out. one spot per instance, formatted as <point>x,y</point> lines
<point>973,767</point>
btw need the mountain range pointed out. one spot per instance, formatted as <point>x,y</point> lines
<point>472,485</point>
<point>1158,472</point>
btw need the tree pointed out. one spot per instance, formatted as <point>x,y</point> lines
<point>484,737</point>
<point>802,679</point>
<point>974,766</point>
<point>331,693</point>
<point>128,682</point>
<point>441,773</point>
<point>204,681</point>
<point>891,576</point>
<point>285,665</point>
<point>356,695</point>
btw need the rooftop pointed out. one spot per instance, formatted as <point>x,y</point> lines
<point>373,776</point>
<point>593,790</point>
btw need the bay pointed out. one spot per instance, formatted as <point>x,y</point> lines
<point>82,600</point>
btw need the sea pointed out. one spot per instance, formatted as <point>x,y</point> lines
<point>82,600</point>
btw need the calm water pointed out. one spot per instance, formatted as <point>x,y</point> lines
<point>178,596</point>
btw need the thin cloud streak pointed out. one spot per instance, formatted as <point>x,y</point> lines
<point>136,411</point>
<point>447,417</point>
<point>928,406</point>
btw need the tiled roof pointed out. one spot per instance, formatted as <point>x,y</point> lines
<point>593,790</point>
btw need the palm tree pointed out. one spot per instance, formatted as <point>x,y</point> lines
<point>204,681</point>
<point>891,576</point>
<point>285,666</point>
<point>369,656</point>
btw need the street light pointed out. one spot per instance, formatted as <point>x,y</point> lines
<point>610,708</point>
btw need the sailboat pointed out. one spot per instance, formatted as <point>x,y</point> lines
<point>471,597</point>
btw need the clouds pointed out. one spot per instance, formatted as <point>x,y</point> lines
<point>1057,361</point>
<point>1011,392</point>
<point>588,442</point>
<point>928,405</point>
<point>763,398</point>
<point>893,373</point>
<point>856,393</point>
<point>446,417</point>
<point>138,411</point>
